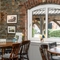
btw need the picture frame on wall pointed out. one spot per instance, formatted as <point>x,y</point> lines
<point>11,29</point>
<point>11,18</point>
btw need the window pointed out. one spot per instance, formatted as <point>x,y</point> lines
<point>44,20</point>
<point>53,22</point>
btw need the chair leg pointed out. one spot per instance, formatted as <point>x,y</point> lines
<point>27,57</point>
<point>2,58</point>
<point>21,58</point>
<point>15,59</point>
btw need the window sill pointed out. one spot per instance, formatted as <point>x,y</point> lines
<point>48,40</point>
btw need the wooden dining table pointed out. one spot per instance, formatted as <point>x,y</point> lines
<point>55,50</point>
<point>5,45</point>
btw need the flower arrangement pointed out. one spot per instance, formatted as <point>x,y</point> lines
<point>22,37</point>
<point>41,37</point>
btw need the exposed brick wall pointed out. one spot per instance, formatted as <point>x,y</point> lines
<point>11,7</point>
<point>33,3</point>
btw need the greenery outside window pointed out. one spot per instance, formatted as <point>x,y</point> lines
<point>44,20</point>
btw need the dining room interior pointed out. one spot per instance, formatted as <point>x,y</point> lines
<point>33,26</point>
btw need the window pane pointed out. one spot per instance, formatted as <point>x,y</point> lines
<point>38,23</point>
<point>54,22</point>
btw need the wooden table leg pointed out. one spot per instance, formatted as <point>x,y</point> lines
<point>3,51</point>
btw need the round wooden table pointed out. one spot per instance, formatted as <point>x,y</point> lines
<point>55,50</point>
<point>5,45</point>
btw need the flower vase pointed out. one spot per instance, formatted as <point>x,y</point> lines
<point>42,40</point>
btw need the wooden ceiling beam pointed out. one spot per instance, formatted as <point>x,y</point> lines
<point>56,22</point>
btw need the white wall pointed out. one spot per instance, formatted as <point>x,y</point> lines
<point>34,53</point>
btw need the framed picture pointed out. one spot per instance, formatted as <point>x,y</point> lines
<point>11,29</point>
<point>11,18</point>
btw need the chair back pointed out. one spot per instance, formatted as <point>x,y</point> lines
<point>15,50</point>
<point>43,50</point>
<point>53,44</point>
<point>25,46</point>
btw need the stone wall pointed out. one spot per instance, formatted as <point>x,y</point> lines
<point>11,7</point>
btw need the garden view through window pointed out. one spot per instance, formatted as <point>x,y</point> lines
<point>39,22</point>
<point>44,20</point>
<point>54,22</point>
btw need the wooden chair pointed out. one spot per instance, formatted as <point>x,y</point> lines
<point>24,50</point>
<point>43,50</point>
<point>0,53</point>
<point>53,44</point>
<point>14,53</point>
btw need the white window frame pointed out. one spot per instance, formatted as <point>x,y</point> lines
<point>30,20</point>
